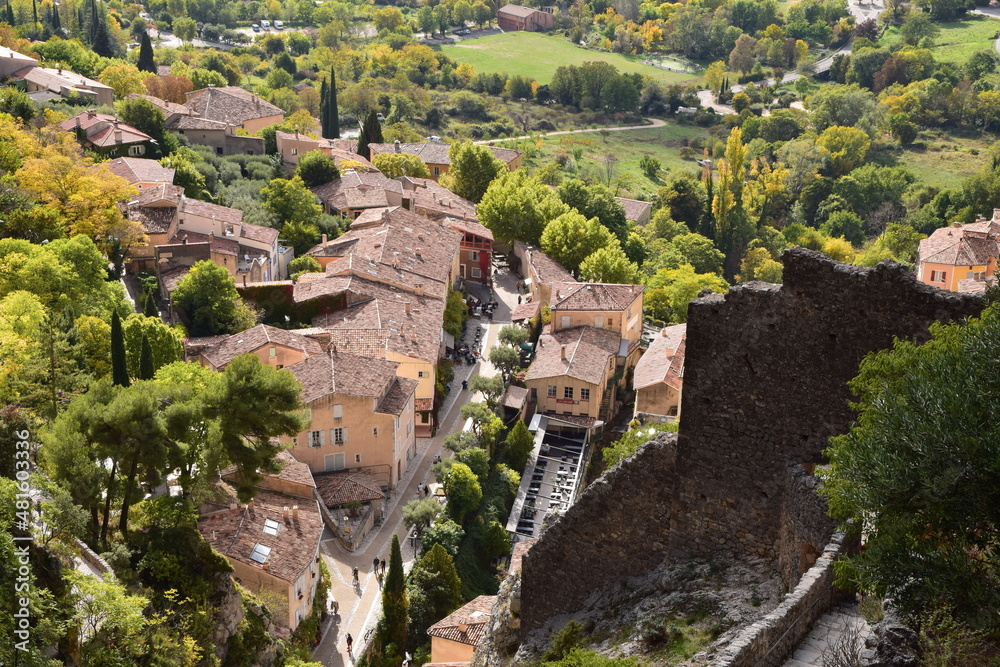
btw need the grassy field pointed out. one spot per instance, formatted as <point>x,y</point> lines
<point>958,39</point>
<point>629,146</point>
<point>941,159</point>
<point>537,56</point>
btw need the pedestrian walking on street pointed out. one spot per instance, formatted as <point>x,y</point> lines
<point>375,566</point>
<point>383,567</point>
<point>355,576</point>
<point>427,491</point>
<point>519,299</point>
<point>336,608</point>
<point>350,643</point>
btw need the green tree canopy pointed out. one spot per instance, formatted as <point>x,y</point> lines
<point>571,238</point>
<point>435,589</point>
<point>419,514</point>
<point>917,473</point>
<point>316,168</point>
<point>394,165</point>
<point>290,200</point>
<point>472,170</point>
<point>208,298</point>
<point>445,532</point>
<point>463,491</point>
<point>166,342</point>
<point>609,265</point>
<point>517,207</point>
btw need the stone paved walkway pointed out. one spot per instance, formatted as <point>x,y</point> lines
<point>826,632</point>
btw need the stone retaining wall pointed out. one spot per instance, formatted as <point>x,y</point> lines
<point>87,554</point>
<point>767,642</point>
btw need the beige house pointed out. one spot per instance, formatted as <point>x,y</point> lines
<point>636,211</point>
<point>106,135</point>
<point>659,376</point>
<point>539,272</point>
<point>235,107</point>
<point>356,192</point>
<point>273,541</point>
<point>361,415</point>
<point>616,308</point>
<point>573,375</point>
<point>218,134</point>
<point>140,172</point>
<point>47,82</point>
<point>455,637</point>
<point>293,145</point>
<point>277,348</point>
<point>249,252</point>
<point>435,155</point>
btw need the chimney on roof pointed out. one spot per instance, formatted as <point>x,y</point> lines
<point>284,512</point>
<point>323,241</point>
<point>557,295</point>
<point>395,146</point>
<point>184,239</point>
<point>420,252</point>
<point>463,628</point>
<point>118,134</point>
<point>562,352</point>
<point>406,307</point>
<point>250,504</point>
<point>295,512</point>
<point>90,112</point>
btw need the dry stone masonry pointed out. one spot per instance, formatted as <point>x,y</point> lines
<point>764,389</point>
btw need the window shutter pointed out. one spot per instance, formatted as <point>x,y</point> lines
<point>338,411</point>
<point>345,435</point>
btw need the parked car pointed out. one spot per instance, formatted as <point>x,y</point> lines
<point>464,31</point>
<point>256,28</point>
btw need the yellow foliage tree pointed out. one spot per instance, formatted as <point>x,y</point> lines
<point>124,79</point>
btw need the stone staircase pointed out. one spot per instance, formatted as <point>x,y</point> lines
<point>826,632</point>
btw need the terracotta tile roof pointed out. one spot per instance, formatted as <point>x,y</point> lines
<point>587,353</point>
<point>433,152</point>
<point>221,354</point>
<point>515,397</point>
<point>55,79</point>
<point>546,269</point>
<point>220,244</point>
<point>423,404</point>
<point>343,373</point>
<point>578,420</point>
<point>958,245</point>
<point>467,624</point>
<point>168,108</point>
<point>415,334</point>
<point>154,219</point>
<point>258,232</point>
<point>517,10</point>
<point>634,208</point>
<point>525,311</point>
<point>206,209</point>
<point>593,296</point>
<point>230,105</point>
<point>235,532</point>
<point>159,194</point>
<point>292,470</point>
<point>973,286</point>
<point>466,226</point>
<point>117,135</point>
<point>354,180</point>
<point>398,276</point>
<point>171,277</point>
<point>134,169</point>
<point>430,198</point>
<point>314,289</point>
<point>397,396</point>
<point>363,342</point>
<point>194,123</point>
<point>663,360</point>
<point>339,488</point>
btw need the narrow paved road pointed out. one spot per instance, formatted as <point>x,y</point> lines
<point>653,122</point>
<point>360,606</point>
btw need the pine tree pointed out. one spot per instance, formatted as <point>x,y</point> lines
<point>146,62</point>
<point>333,109</point>
<point>119,368</point>
<point>146,369</point>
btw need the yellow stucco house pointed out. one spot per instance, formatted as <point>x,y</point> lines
<point>274,347</point>
<point>659,376</point>
<point>455,637</point>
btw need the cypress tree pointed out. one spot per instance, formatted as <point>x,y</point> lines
<point>707,221</point>
<point>34,14</point>
<point>56,21</point>
<point>149,305</point>
<point>332,107</point>
<point>324,112</point>
<point>395,601</point>
<point>146,62</point>
<point>119,368</point>
<point>146,368</point>
<point>10,14</point>
<point>371,133</point>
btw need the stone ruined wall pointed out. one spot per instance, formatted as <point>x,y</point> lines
<point>618,527</point>
<point>768,641</point>
<point>764,388</point>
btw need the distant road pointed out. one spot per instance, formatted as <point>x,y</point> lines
<point>653,122</point>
